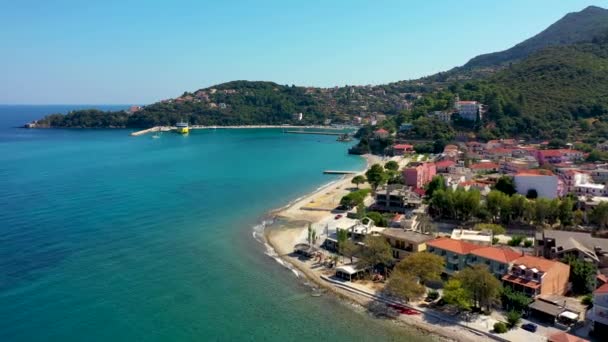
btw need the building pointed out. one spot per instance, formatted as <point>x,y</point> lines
<point>297,116</point>
<point>565,337</point>
<point>381,133</point>
<point>443,166</point>
<point>498,259</point>
<point>419,174</point>
<point>558,156</point>
<point>545,183</point>
<point>560,244</point>
<point>536,276</point>
<point>441,115</point>
<point>477,237</point>
<point>455,252</point>
<point>396,198</point>
<point>599,175</point>
<point>515,165</point>
<point>403,242</point>
<point>469,110</point>
<point>598,315</point>
<point>485,167</point>
<point>401,149</point>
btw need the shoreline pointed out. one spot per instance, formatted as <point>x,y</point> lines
<point>289,226</point>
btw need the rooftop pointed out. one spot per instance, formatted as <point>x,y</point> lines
<point>602,289</point>
<point>500,254</point>
<point>454,246</point>
<point>584,242</point>
<point>407,235</point>
<point>540,264</point>
<point>484,166</point>
<point>565,337</point>
<point>535,172</point>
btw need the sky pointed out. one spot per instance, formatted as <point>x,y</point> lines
<point>139,52</point>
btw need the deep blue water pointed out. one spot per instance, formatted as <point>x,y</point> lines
<point>104,236</point>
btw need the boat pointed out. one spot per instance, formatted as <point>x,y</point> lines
<point>345,138</point>
<point>182,127</point>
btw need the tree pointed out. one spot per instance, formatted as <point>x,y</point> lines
<point>496,229</point>
<point>566,215</point>
<point>513,318</point>
<point>349,249</point>
<point>455,294</point>
<point>500,328</point>
<point>424,266</point>
<point>582,275</point>
<point>437,183</point>
<point>361,211</point>
<point>516,240</point>
<point>518,207</point>
<point>376,251</point>
<point>514,300</point>
<point>499,206</point>
<point>378,219</point>
<point>354,198</point>
<point>599,215</point>
<point>391,165</point>
<point>376,176</point>
<point>505,185</point>
<point>404,285</point>
<point>357,180</point>
<point>483,285</point>
<point>532,194</point>
<point>425,224</point>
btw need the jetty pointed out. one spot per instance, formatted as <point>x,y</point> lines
<point>339,172</point>
<point>150,130</point>
<point>314,132</point>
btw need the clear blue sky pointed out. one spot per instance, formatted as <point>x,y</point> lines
<point>128,51</point>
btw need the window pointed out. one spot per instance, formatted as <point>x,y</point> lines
<point>443,253</point>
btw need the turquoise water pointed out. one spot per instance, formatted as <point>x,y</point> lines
<point>104,236</point>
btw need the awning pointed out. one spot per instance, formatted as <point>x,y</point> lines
<point>347,270</point>
<point>570,315</point>
<point>547,308</point>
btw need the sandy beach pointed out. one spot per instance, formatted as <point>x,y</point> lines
<point>315,209</point>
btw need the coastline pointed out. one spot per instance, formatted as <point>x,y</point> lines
<point>289,226</point>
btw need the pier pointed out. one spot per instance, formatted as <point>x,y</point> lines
<point>314,132</point>
<point>339,172</point>
<point>150,130</point>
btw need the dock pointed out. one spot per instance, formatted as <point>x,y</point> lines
<point>339,172</point>
<point>314,132</point>
<point>150,130</point>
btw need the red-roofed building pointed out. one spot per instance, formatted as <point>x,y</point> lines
<point>419,174</point>
<point>498,259</point>
<point>484,167</point>
<point>381,133</point>
<point>546,184</point>
<point>443,166</point>
<point>536,276</point>
<point>558,156</point>
<point>455,252</point>
<point>401,149</point>
<point>565,337</point>
<point>598,315</point>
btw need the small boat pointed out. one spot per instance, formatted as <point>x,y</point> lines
<point>345,138</point>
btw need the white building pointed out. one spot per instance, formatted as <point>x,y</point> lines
<point>546,184</point>
<point>598,315</point>
<point>469,110</point>
<point>482,238</point>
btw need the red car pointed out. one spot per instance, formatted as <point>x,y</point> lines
<point>339,216</point>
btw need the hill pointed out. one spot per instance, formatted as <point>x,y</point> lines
<point>573,28</point>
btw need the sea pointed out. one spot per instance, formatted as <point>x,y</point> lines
<point>109,237</point>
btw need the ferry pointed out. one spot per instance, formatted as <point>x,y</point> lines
<point>182,127</point>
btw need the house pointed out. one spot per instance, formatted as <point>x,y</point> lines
<point>475,147</point>
<point>469,110</point>
<point>443,166</point>
<point>482,187</point>
<point>598,315</point>
<point>134,109</point>
<point>545,183</point>
<point>407,126</point>
<point>498,259</point>
<point>419,174</point>
<point>498,153</point>
<point>515,165</point>
<point>455,252</point>
<point>381,133</point>
<point>404,242</point>
<point>445,116</point>
<point>536,276</point>
<point>396,198</point>
<point>484,166</point>
<point>599,175</point>
<point>401,149</point>
<point>560,244</point>
<point>564,337</point>
<point>557,156</point>
<point>297,116</point>
<point>477,237</point>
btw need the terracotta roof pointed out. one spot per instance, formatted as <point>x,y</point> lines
<point>535,172</point>
<point>466,102</point>
<point>500,150</point>
<point>445,163</point>
<point>454,246</point>
<point>420,191</point>
<point>450,147</point>
<point>484,166</point>
<point>500,254</point>
<point>403,146</point>
<point>565,337</point>
<point>521,281</point>
<point>556,153</point>
<point>381,130</point>
<point>602,289</point>
<point>540,264</point>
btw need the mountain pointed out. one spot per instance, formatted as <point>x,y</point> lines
<point>573,28</point>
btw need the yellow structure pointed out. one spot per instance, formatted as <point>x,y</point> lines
<point>182,127</point>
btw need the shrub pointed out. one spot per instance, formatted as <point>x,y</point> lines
<point>494,240</point>
<point>496,229</point>
<point>587,300</point>
<point>513,318</point>
<point>500,328</point>
<point>515,240</point>
<point>433,294</point>
<point>528,243</point>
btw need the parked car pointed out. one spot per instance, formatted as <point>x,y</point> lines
<point>531,327</point>
<point>339,216</point>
